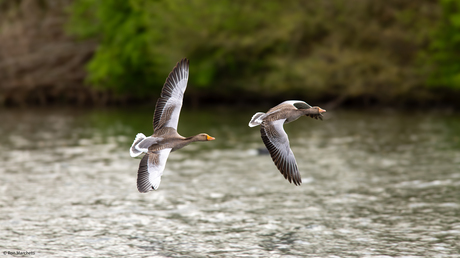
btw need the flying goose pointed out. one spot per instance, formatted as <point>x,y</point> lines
<point>276,139</point>
<point>165,137</point>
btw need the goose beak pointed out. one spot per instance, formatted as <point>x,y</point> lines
<point>209,138</point>
<point>322,110</point>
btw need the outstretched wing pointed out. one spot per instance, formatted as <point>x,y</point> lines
<point>299,104</point>
<point>151,169</point>
<point>168,106</point>
<point>277,143</point>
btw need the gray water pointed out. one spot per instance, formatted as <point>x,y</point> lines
<point>375,184</point>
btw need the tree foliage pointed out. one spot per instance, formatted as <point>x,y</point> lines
<point>307,48</point>
<point>444,52</point>
<point>122,61</point>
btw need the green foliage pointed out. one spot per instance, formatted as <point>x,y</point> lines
<point>307,48</point>
<point>122,60</point>
<point>444,53</point>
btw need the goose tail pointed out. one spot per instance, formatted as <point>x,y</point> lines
<point>256,119</point>
<point>133,151</point>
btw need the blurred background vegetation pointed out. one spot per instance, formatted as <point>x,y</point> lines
<point>339,52</point>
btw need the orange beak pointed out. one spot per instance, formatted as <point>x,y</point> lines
<point>322,110</point>
<point>210,138</point>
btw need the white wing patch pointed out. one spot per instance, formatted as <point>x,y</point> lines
<point>156,169</point>
<point>151,169</point>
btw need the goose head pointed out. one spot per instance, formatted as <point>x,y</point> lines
<point>317,110</point>
<point>204,137</point>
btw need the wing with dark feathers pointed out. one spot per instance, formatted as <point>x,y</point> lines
<point>277,143</point>
<point>151,169</point>
<point>304,105</point>
<point>168,106</point>
<point>301,105</point>
<point>143,182</point>
<point>318,116</point>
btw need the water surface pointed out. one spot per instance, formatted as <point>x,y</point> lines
<point>375,184</point>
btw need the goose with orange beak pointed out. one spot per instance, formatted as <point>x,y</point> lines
<point>275,138</point>
<point>165,138</point>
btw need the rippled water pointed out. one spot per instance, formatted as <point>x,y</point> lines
<point>375,184</point>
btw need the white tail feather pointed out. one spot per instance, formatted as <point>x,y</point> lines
<point>133,151</point>
<point>256,119</point>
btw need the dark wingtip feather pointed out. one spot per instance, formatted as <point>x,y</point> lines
<point>290,173</point>
<point>318,116</point>
<point>168,87</point>
<point>143,181</point>
<point>173,76</point>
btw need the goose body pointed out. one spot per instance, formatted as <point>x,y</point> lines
<point>165,137</point>
<point>275,138</point>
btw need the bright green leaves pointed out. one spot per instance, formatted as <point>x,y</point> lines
<point>312,48</point>
<point>122,62</point>
<point>444,52</point>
